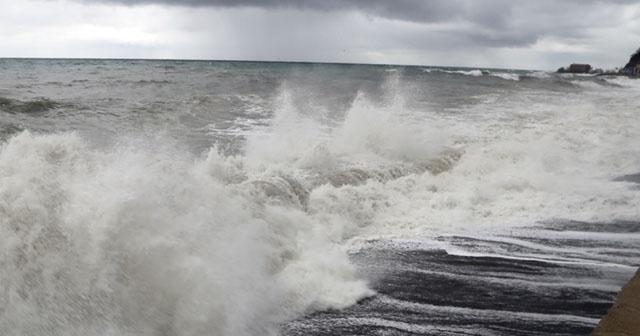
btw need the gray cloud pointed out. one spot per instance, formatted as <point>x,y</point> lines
<point>496,23</point>
<point>541,33</point>
<point>409,10</point>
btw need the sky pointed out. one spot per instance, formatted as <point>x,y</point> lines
<point>514,34</point>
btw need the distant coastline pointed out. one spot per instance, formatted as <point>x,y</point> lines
<point>631,69</point>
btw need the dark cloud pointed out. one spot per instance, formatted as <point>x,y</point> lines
<point>497,22</point>
<point>396,5</point>
<point>409,10</point>
<point>490,13</point>
<point>384,30</point>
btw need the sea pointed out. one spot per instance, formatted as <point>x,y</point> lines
<point>170,197</point>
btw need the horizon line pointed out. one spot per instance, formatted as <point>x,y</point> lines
<point>258,61</point>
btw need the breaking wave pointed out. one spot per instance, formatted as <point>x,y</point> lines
<point>477,73</point>
<point>506,75</point>
<point>132,238</point>
<point>132,241</point>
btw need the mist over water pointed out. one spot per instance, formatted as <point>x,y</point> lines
<point>222,198</point>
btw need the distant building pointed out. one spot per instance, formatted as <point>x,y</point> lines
<point>579,68</point>
<point>576,68</point>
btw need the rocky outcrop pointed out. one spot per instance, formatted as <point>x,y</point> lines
<point>633,66</point>
<point>634,60</point>
<point>623,319</point>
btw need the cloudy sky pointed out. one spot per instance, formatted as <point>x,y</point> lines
<point>523,34</point>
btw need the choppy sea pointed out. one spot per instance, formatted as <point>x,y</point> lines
<point>148,197</point>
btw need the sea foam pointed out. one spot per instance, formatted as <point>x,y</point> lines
<point>132,241</point>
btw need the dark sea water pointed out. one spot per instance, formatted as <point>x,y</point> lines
<point>143,197</point>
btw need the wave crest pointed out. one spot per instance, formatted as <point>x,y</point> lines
<point>129,241</point>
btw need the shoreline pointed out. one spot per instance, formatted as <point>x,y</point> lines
<point>622,319</point>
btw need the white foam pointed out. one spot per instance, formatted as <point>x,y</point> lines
<point>145,240</point>
<point>587,84</point>
<point>488,313</point>
<point>556,164</point>
<point>141,241</point>
<point>539,74</point>
<point>506,76</point>
<point>473,73</point>
<point>624,81</point>
<point>370,133</point>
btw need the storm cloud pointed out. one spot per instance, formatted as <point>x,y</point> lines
<point>509,23</point>
<point>488,12</point>
<point>497,33</point>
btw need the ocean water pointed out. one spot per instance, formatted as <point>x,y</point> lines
<point>143,197</point>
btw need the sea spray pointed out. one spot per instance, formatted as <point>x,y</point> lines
<point>370,132</point>
<point>134,242</point>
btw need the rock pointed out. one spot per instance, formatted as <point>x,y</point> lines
<point>623,319</point>
<point>633,66</point>
<point>634,60</point>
